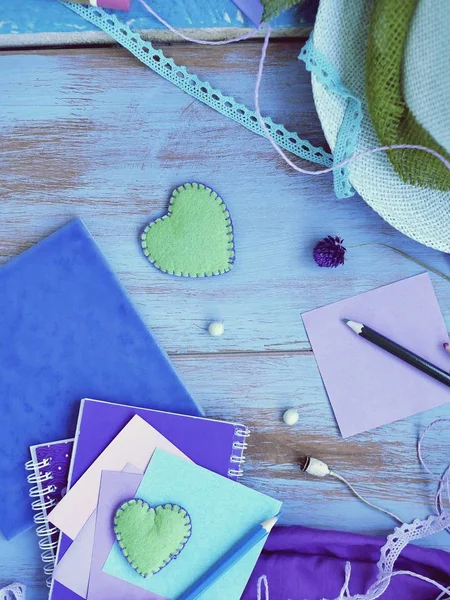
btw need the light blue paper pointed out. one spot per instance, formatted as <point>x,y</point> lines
<point>222,512</point>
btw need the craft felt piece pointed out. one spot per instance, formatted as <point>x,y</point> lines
<point>222,512</point>
<point>135,445</point>
<point>194,238</point>
<point>151,537</point>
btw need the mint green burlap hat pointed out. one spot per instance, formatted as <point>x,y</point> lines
<point>345,49</point>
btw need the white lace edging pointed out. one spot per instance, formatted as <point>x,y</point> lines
<point>395,544</point>
<point>15,591</point>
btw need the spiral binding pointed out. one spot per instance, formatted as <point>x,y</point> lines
<point>237,459</point>
<point>40,506</point>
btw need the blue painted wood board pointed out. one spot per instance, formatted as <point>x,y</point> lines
<point>51,16</point>
<point>93,133</point>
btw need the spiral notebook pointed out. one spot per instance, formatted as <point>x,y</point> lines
<point>215,445</point>
<point>49,472</point>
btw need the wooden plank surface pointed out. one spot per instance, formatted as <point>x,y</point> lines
<point>49,22</point>
<point>93,133</point>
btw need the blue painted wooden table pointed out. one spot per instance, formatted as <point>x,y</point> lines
<point>93,133</point>
<point>49,22</point>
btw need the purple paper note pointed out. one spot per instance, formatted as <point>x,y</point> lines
<point>115,489</point>
<point>252,9</point>
<point>74,568</point>
<point>367,386</point>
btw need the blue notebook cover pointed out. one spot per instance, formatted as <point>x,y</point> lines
<point>68,331</point>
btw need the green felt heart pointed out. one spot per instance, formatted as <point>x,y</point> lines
<point>151,537</point>
<point>195,238</point>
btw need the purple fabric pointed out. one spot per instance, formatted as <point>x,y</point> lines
<point>309,563</point>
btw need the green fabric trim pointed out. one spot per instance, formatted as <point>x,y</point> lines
<point>392,119</point>
<point>151,537</point>
<point>272,8</point>
<point>195,238</point>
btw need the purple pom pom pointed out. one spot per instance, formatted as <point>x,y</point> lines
<point>330,252</point>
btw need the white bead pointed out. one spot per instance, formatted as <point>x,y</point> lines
<point>216,328</point>
<point>291,416</point>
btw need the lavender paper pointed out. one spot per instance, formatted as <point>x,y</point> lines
<point>367,386</point>
<point>115,489</point>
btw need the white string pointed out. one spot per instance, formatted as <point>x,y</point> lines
<point>262,580</point>
<point>345,591</point>
<point>417,576</point>
<point>444,595</point>
<point>386,512</point>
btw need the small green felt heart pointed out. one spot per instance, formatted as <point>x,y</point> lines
<point>195,238</point>
<point>151,537</point>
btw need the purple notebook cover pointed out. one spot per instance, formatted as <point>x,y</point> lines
<point>252,9</point>
<point>214,445</point>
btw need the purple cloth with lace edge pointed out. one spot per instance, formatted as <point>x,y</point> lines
<point>308,563</point>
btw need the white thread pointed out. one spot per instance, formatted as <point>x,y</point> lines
<point>386,512</point>
<point>262,580</point>
<point>444,595</point>
<point>345,593</point>
<point>263,125</point>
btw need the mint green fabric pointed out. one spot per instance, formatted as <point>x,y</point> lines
<point>426,81</point>
<point>195,238</point>
<point>272,8</point>
<point>392,119</point>
<point>151,537</point>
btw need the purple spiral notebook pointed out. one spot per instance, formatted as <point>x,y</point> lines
<point>49,466</point>
<point>215,445</point>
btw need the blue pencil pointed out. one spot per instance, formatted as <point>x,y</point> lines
<point>224,564</point>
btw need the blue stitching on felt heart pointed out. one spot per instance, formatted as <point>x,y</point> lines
<point>228,224</point>
<point>173,555</point>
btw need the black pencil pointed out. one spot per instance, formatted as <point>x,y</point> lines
<point>396,350</point>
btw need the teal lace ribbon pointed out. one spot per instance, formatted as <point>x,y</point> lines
<point>194,86</point>
<point>347,137</point>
